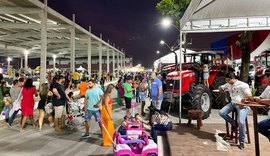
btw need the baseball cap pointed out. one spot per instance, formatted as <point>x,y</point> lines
<point>265,72</point>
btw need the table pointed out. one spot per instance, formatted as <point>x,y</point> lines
<point>254,107</point>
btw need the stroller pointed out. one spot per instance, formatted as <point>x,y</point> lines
<point>76,114</point>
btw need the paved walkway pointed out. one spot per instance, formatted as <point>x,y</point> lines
<point>188,141</point>
<point>49,143</point>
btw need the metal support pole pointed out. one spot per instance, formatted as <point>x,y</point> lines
<point>108,59</point>
<point>72,45</point>
<point>113,63</point>
<point>185,45</point>
<point>180,78</point>
<point>43,53</point>
<point>100,59</point>
<point>89,54</point>
<point>121,61</point>
<point>124,63</point>
<point>54,61</point>
<point>21,62</point>
<point>26,60</point>
<point>118,67</point>
<point>8,64</point>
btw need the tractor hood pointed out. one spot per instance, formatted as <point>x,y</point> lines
<point>176,74</point>
<point>172,80</point>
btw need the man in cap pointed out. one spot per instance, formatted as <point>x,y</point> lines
<point>264,99</point>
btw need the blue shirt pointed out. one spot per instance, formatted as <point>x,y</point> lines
<point>155,84</point>
<point>93,96</point>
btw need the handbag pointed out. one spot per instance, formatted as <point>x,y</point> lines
<point>48,108</point>
<point>17,102</point>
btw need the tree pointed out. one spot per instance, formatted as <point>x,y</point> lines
<point>244,44</point>
<point>173,8</point>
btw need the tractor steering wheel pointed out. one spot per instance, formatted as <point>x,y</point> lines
<point>197,65</point>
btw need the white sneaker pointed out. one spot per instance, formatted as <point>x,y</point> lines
<point>9,126</point>
<point>85,136</point>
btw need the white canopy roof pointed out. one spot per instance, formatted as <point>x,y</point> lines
<point>170,58</point>
<point>226,15</point>
<point>81,68</point>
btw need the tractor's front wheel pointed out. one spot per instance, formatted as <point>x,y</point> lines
<point>218,99</point>
<point>202,100</point>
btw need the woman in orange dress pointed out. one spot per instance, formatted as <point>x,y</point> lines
<point>106,114</point>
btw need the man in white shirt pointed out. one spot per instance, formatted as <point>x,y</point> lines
<point>238,90</point>
<point>264,99</point>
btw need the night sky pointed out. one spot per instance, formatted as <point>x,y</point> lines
<point>130,24</point>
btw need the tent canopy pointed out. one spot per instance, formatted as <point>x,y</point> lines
<point>81,68</point>
<point>226,15</point>
<point>170,58</point>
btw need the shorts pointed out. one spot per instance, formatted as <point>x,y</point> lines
<point>90,113</point>
<point>59,111</point>
<point>157,103</point>
<point>143,95</point>
<point>128,102</point>
<point>205,76</point>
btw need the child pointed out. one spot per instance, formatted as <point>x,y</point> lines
<point>124,125</point>
<point>205,70</point>
<point>8,105</point>
<point>139,120</point>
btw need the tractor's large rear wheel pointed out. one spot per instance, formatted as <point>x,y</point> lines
<point>201,99</point>
<point>218,99</point>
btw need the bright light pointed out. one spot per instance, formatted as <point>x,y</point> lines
<point>9,59</point>
<point>54,56</point>
<point>26,52</point>
<point>162,42</point>
<point>158,52</point>
<point>166,22</point>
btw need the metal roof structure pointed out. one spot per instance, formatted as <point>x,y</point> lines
<point>20,29</point>
<point>226,15</point>
<point>30,28</point>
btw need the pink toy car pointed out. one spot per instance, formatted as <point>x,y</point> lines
<point>135,143</point>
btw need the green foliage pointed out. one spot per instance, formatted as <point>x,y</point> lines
<point>173,8</point>
<point>253,91</point>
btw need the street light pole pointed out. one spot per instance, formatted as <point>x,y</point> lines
<point>180,77</point>
<point>172,50</point>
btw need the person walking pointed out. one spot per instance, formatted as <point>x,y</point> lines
<point>59,103</point>
<point>156,91</point>
<point>3,89</point>
<point>106,114</point>
<point>8,105</point>
<point>143,93</point>
<point>16,94</point>
<point>128,94</point>
<point>238,90</point>
<point>120,92</point>
<point>92,103</point>
<point>83,86</point>
<point>44,95</point>
<point>76,78</point>
<point>28,102</point>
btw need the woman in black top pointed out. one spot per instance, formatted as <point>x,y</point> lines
<point>45,97</point>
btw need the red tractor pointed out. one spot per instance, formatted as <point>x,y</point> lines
<point>195,95</point>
